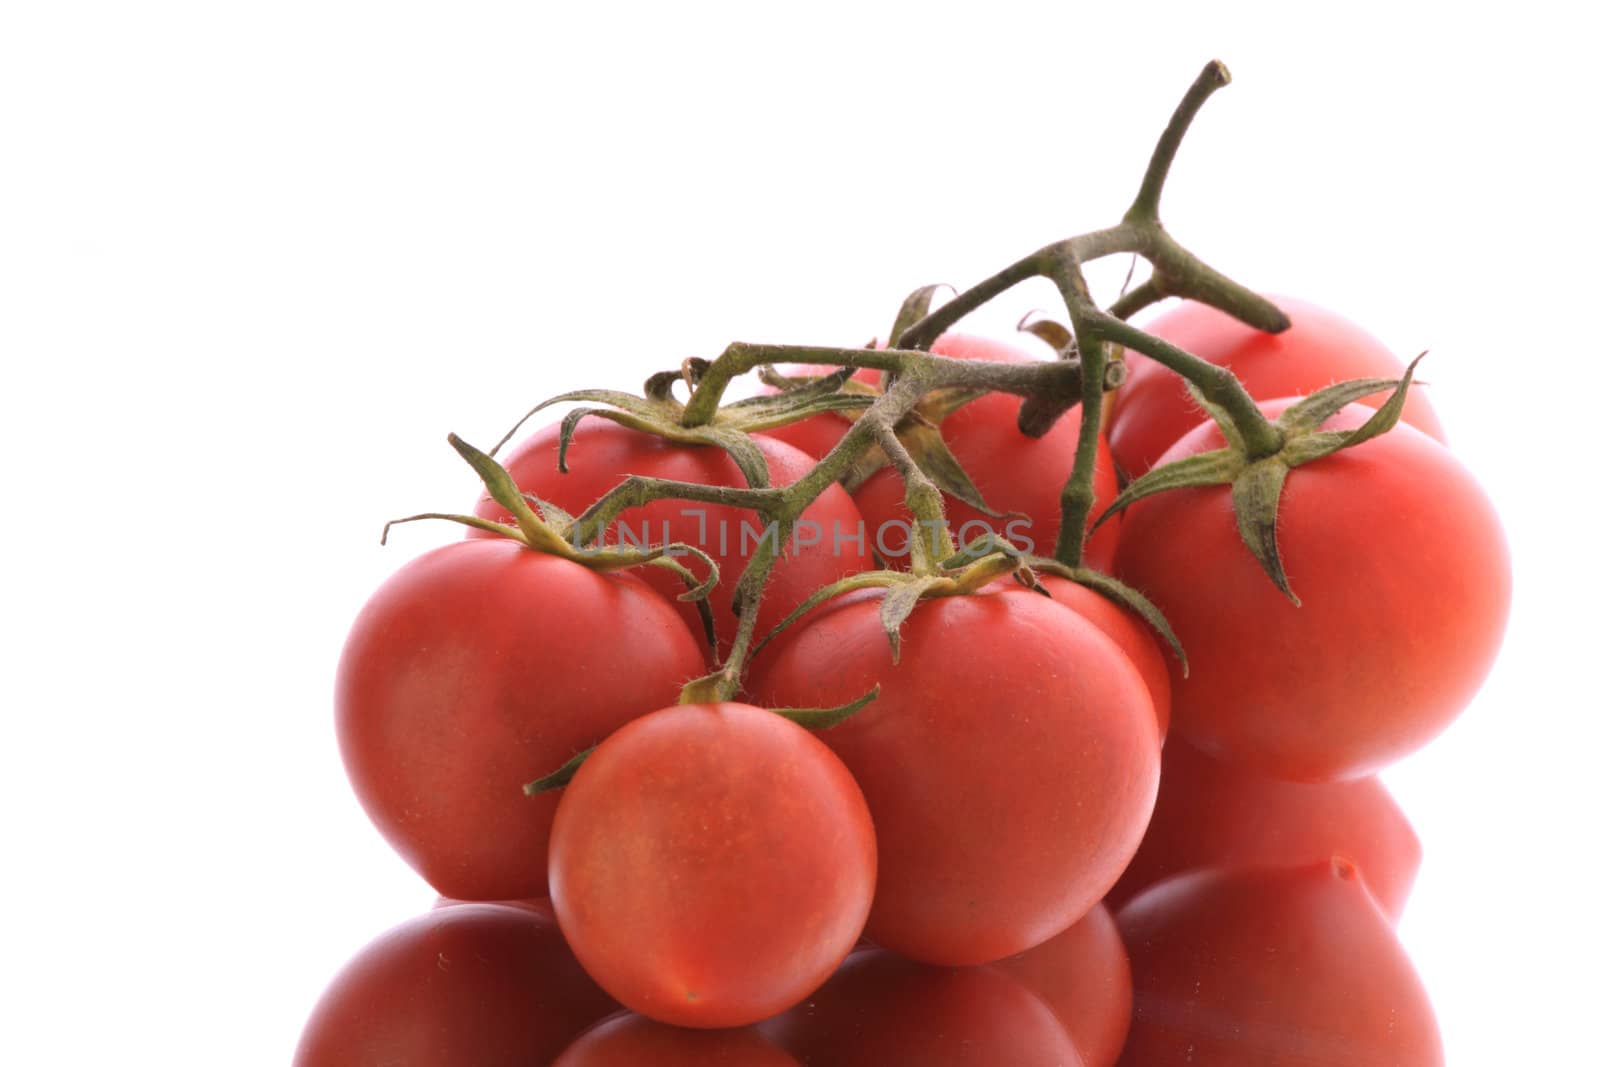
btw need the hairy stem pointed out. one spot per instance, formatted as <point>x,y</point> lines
<point>1048,389</point>
<point>895,404</point>
<point>1146,205</point>
<point>747,603</point>
<point>1216,384</point>
<point>637,490</point>
<point>1181,273</point>
<point>931,543</point>
<point>1137,299</point>
<point>927,330</point>
<point>740,358</point>
<point>1077,496</point>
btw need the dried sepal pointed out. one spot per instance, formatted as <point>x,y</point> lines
<point>913,310</point>
<point>1052,332</point>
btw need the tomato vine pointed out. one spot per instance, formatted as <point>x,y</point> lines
<point>1005,778</point>
<point>1048,390</point>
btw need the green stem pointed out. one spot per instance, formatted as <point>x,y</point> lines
<point>896,403</point>
<point>1077,496</point>
<point>928,329</point>
<point>740,358</point>
<point>1216,384</point>
<point>637,490</point>
<point>1181,273</point>
<point>931,543</point>
<point>747,602</point>
<point>1147,204</point>
<point>1137,299</point>
<point>1048,388</point>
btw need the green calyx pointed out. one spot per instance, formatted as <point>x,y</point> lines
<point>920,433</point>
<point>962,574</point>
<point>541,526</point>
<point>658,411</point>
<point>1258,483</point>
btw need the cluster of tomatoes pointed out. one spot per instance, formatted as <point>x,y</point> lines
<point>1003,858</point>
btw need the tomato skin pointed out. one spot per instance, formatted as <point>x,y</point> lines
<point>470,985</point>
<point>882,1009</point>
<point>711,864</point>
<point>476,668</point>
<point>1212,815</point>
<point>1405,580</point>
<point>1279,966</point>
<point>1153,407</point>
<point>1009,762</point>
<point>603,454</point>
<point>1013,472</point>
<point>1129,632</point>
<point>1083,976</point>
<point>631,1040</point>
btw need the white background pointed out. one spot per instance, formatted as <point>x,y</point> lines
<point>257,259</point>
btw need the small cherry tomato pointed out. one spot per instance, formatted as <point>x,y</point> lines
<point>882,1010</point>
<point>1210,814</point>
<point>1272,967</point>
<point>1009,762</point>
<point>1405,582</point>
<point>470,985</point>
<point>476,668</point>
<point>711,864</point>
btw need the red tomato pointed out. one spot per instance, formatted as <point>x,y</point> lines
<point>826,547</point>
<point>1153,407</point>
<point>1010,762</point>
<point>473,985</point>
<point>882,1010</point>
<point>1082,975</point>
<point>477,667</point>
<point>711,864</point>
<point>1013,472</point>
<point>634,1041</point>
<point>1128,631</point>
<point>1279,966</point>
<point>1211,815</point>
<point>1405,580</point>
